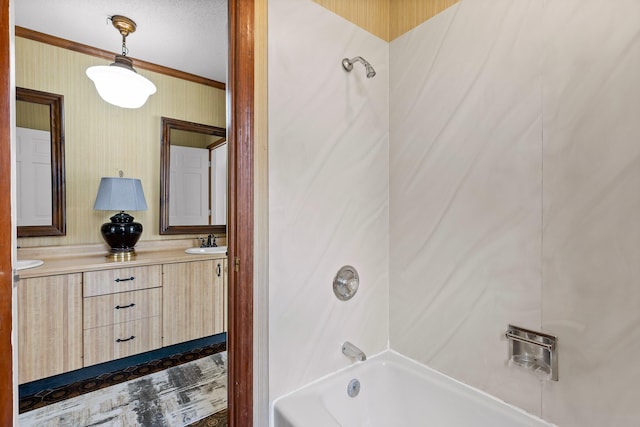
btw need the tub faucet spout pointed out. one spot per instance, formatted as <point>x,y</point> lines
<point>351,350</point>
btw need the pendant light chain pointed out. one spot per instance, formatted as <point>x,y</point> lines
<point>124,45</point>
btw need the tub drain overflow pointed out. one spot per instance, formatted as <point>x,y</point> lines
<point>353,388</point>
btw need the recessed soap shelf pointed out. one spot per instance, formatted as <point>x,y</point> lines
<point>534,351</point>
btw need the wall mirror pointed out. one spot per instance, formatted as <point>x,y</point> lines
<point>40,191</point>
<point>193,178</point>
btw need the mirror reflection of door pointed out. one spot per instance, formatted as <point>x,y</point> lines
<point>40,169</point>
<point>197,178</point>
<point>33,165</point>
<point>33,173</point>
<point>189,185</point>
<point>219,183</point>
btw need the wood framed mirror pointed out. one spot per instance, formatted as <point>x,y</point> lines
<point>193,198</point>
<point>41,202</point>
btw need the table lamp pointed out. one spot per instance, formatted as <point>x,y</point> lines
<point>121,234</point>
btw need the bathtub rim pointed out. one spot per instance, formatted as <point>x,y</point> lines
<point>391,355</point>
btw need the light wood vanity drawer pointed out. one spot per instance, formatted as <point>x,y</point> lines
<point>121,280</point>
<point>121,340</point>
<point>110,309</point>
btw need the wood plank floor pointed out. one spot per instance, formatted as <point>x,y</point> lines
<point>183,390</point>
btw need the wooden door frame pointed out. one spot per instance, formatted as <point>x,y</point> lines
<point>241,221</point>
<point>6,279</point>
<point>240,345</point>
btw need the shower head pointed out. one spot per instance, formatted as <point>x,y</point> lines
<point>370,71</point>
<point>347,64</point>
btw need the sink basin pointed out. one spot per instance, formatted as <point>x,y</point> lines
<point>204,251</point>
<point>23,264</point>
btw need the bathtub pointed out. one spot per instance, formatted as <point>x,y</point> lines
<point>395,391</point>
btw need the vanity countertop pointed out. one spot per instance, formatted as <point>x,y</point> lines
<point>76,259</point>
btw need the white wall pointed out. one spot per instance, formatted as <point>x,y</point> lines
<point>515,198</point>
<point>328,192</point>
<point>466,191</point>
<point>591,215</point>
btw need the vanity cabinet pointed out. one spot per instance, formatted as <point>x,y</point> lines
<point>49,326</point>
<point>76,311</point>
<point>122,312</point>
<point>193,300</point>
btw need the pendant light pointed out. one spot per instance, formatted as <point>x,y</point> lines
<point>119,84</point>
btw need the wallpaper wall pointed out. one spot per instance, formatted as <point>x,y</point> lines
<point>101,140</point>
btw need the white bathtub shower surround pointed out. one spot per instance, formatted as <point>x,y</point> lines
<point>513,197</point>
<point>328,192</point>
<point>591,210</point>
<point>465,191</point>
<point>395,391</point>
<point>515,169</point>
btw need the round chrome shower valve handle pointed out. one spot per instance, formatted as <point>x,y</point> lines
<point>346,282</point>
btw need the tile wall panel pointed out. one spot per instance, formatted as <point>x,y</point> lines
<point>591,291</point>
<point>465,191</point>
<point>328,192</point>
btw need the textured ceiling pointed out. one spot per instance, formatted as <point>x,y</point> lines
<point>187,35</point>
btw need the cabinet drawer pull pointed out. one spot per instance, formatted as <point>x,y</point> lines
<point>219,270</point>
<point>126,339</point>
<point>124,280</point>
<point>118,307</point>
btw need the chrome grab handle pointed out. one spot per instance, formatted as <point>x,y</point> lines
<point>510,335</point>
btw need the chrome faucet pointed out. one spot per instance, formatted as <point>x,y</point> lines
<point>351,350</point>
<point>210,242</point>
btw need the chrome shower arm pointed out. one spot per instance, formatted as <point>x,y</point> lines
<point>347,64</point>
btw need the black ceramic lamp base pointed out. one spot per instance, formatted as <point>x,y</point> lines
<point>121,234</point>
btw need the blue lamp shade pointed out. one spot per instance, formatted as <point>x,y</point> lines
<point>122,233</point>
<point>120,194</point>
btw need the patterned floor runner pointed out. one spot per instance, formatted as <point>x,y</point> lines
<point>176,397</point>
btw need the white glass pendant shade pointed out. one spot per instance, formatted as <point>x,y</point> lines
<point>121,86</point>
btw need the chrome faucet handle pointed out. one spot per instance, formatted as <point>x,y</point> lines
<point>202,243</point>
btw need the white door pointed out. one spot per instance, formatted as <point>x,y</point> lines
<point>33,171</point>
<point>189,186</point>
<point>219,185</point>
